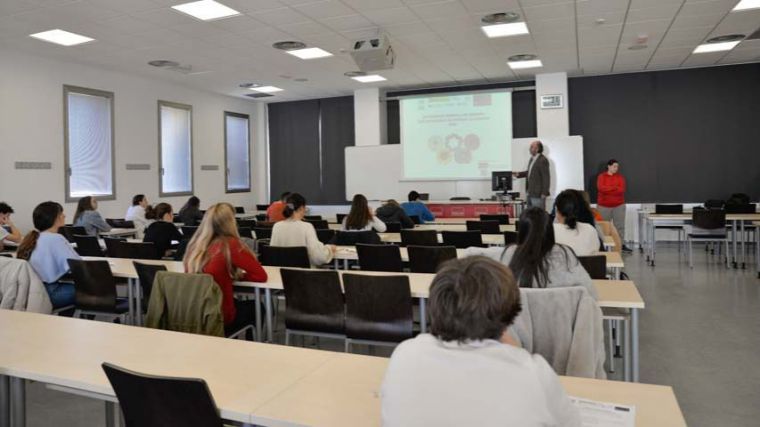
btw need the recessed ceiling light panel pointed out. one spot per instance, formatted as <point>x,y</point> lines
<point>267,89</point>
<point>716,47</point>
<point>310,53</point>
<point>61,37</point>
<point>206,10</point>
<point>372,78</point>
<point>746,5</point>
<point>505,30</point>
<point>520,65</point>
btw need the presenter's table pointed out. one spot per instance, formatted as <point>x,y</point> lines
<point>474,208</point>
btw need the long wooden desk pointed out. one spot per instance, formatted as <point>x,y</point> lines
<point>268,385</point>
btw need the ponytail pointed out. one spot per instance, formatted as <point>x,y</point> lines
<point>44,217</point>
<point>28,245</point>
<point>567,204</point>
<point>294,202</point>
<point>571,221</point>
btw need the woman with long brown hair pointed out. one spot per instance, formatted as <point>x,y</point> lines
<point>216,249</point>
<point>361,217</point>
<point>87,216</point>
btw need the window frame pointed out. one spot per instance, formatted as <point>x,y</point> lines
<point>227,189</point>
<point>161,192</point>
<point>68,89</point>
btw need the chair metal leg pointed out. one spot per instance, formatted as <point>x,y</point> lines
<point>18,402</point>
<point>618,340</point>
<point>610,349</point>
<point>5,401</point>
<point>347,348</point>
<point>287,337</point>
<point>691,250</point>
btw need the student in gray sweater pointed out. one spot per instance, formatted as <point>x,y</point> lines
<point>537,261</point>
<point>87,216</point>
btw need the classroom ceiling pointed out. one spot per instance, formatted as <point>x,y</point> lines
<point>437,42</point>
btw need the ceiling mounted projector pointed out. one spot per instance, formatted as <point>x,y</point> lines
<point>373,53</point>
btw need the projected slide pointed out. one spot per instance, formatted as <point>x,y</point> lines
<point>456,136</point>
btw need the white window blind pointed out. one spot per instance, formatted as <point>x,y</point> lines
<point>237,152</point>
<point>176,149</point>
<point>89,143</point>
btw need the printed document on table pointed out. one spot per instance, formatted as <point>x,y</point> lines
<point>603,414</point>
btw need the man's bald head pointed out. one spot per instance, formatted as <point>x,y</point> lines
<point>536,147</point>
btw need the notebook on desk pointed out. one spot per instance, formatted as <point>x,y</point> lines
<point>603,414</point>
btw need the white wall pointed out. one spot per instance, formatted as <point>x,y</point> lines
<point>31,129</point>
<point>552,122</point>
<point>370,118</point>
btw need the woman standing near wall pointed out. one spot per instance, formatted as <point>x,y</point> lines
<point>610,186</point>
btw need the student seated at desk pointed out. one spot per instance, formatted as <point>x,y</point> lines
<point>537,260</point>
<point>274,211</point>
<point>569,230</point>
<point>468,371</point>
<point>87,216</point>
<point>216,249</point>
<point>48,252</point>
<point>391,211</point>
<point>136,212</point>
<point>162,232</point>
<point>415,207</point>
<point>294,232</point>
<point>190,214</point>
<point>8,231</point>
<point>361,218</point>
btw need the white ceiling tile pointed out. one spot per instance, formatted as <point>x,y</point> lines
<point>642,4</point>
<point>248,6</point>
<point>362,5</point>
<point>623,68</point>
<point>595,7</point>
<point>237,24</point>
<point>491,6</point>
<point>610,18</point>
<point>739,23</point>
<point>665,11</point>
<point>393,16</point>
<point>444,9</point>
<point>164,17</point>
<point>304,29</point>
<point>607,35</point>
<point>682,37</point>
<point>703,59</point>
<point>715,8</point>
<point>549,11</point>
<point>280,16</point>
<point>685,21</point>
<point>406,29</point>
<point>348,23</point>
<point>325,9</point>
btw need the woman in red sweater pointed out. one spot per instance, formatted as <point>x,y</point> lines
<point>610,186</point>
<point>216,249</point>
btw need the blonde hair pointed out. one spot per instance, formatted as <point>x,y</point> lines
<point>218,225</point>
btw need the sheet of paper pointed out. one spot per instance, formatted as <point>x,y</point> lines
<point>603,414</point>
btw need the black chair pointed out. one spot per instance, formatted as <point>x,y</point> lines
<point>502,218</point>
<point>112,243</point>
<point>415,219</point>
<point>708,225</point>
<point>157,401</point>
<point>239,210</point>
<point>462,239</point>
<point>120,223</point>
<point>351,238</point>
<point>188,231</point>
<point>245,232</point>
<point>96,290</point>
<point>312,217</point>
<point>280,256</point>
<point>314,303</point>
<point>262,208</point>
<point>176,219</point>
<point>595,265</point>
<point>263,233</point>
<point>510,238</point>
<point>378,309</point>
<point>326,236</point>
<point>319,224</point>
<point>88,245</point>
<point>340,217</point>
<point>419,237</point>
<point>379,258</point>
<point>746,208</point>
<point>246,223</point>
<point>146,273</point>
<point>392,227</point>
<point>68,231</point>
<point>261,217</point>
<point>668,209</point>
<point>459,198</point>
<point>137,250</point>
<point>714,204</point>
<point>484,227</point>
<point>426,259</point>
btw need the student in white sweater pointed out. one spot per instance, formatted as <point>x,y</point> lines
<point>537,260</point>
<point>295,232</point>
<point>468,371</point>
<point>361,217</point>
<point>137,214</point>
<point>580,236</point>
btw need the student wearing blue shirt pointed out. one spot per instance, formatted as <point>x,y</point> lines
<point>48,252</point>
<point>87,216</point>
<point>415,207</point>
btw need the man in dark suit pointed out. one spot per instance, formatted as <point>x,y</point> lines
<point>537,182</point>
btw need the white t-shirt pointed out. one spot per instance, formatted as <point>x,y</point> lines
<point>482,383</point>
<point>299,233</point>
<point>584,239</point>
<point>373,224</point>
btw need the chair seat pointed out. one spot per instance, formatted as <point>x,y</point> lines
<point>122,305</point>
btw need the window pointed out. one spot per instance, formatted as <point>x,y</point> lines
<point>88,143</point>
<point>175,149</point>
<point>237,153</point>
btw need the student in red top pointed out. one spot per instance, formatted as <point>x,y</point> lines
<point>610,186</point>
<point>274,211</point>
<point>216,249</point>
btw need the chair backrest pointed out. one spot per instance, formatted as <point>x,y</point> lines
<point>502,218</point>
<point>120,223</point>
<point>419,237</point>
<point>378,308</point>
<point>112,246</point>
<point>415,219</point>
<point>319,224</point>
<point>424,196</point>
<point>351,238</point>
<point>325,236</point>
<point>392,227</point>
<point>239,209</point>
<point>281,256</point>
<point>176,218</point>
<point>714,204</point>
<point>88,245</point>
<point>312,217</point>
<point>263,232</point>
<point>595,265</point>
<point>462,239</point>
<point>147,273</point>
<point>485,227</point>
<point>156,401</point>
<point>262,208</point>
<point>668,209</point>
<point>379,257</point>
<point>69,231</point>
<point>510,237</point>
<point>340,217</point>
<point>747,208</point>
<point>188,231</point>
<point>261,217</point>
<point>314,300</point>
<point>245,232</point>
<point>459,198</point>
<point>185,302</point>
<point>246,223</point>
<point>137,250</point>
<point>95,285</point>
<point>427,259</point>
<point>708,219</point>
<point>738,199</point>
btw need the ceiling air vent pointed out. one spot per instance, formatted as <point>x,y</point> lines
<point>258,95</point>
<point>726,38</point>
<point>500,18</point>
<point>289,45</point>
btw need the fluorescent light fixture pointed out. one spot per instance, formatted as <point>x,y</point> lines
<point>370,78</point>
<point>746,5</point>
<point>310,53</point>
<point>519,65</point>
<point>206,10</point>
<point>267,89</point>
<point>63,38</point>
<point>504,30</point>
<point>716,47</point>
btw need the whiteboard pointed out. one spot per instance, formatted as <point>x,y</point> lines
<point>377,171</point>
